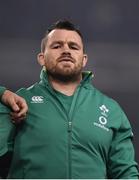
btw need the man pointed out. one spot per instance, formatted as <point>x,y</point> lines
<point>72,130</point>
<point>17,104</point>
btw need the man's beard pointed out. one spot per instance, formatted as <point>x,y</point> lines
<point>65,75</point>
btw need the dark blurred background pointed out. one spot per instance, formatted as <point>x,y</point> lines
<point>111,35</point>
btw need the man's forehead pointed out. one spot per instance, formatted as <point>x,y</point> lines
<point>63,34</point>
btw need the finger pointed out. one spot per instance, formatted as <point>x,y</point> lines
<point>9,98</point>
<point>15,119</point>
<point>23,111</point>
<point>20,114</point>
<point>22,106</point>
<point>14,106</point>
<point>16,115</point>
<point>18,119</point>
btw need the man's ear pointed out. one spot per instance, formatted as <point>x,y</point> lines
<point>41,59</point>
<point>85,58</point>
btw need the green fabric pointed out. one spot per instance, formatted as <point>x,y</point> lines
<point>6,129</point>
<point>92,141</point>
<point>2,89</point>
<point>65,100</point>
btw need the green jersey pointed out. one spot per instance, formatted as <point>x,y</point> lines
<point>2,89</point>
<point>83,136</point>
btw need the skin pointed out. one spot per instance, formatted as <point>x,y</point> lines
<point>64,60</point>
<point>17,104</point>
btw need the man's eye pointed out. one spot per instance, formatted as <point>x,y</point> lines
<point>55,46</point>
<point>74,47</point>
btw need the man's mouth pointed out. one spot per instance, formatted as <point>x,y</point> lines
<point>66,59</point>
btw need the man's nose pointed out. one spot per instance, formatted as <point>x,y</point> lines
<point>66,48</point>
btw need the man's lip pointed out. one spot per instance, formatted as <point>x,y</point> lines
<point>66,59</point>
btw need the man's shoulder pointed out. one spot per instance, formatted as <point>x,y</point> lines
<point>29,91</point>
<point>103,98</point>
<point>25,90</point>
<point>111,107</point>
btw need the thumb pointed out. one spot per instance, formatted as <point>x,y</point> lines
<point>15,107</point>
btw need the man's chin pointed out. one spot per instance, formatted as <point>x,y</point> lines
<point>64,76</point>
<point>65,71</point>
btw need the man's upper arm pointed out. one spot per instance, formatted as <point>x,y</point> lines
<point>122,163</point>
<point>6,130</point>
<point>2,89</point>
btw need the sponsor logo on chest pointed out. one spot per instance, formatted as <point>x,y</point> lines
<point>102,120</point>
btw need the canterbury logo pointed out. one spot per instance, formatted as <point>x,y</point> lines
<point>37,99</point>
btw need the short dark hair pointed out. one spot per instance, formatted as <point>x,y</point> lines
<point>61,24</point>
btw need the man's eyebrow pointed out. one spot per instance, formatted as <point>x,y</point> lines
<point>62,42</point>
<point>74,43</point>
<point>56,42</point>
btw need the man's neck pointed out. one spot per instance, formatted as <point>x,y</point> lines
<point>67,88</point>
